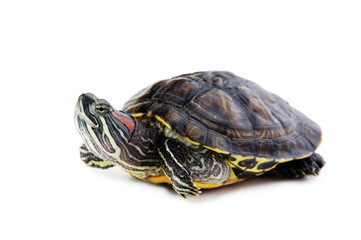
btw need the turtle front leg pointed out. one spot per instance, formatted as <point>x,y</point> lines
<point>173,166</point>
<point>91,160</point>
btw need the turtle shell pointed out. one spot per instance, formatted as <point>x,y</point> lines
<point>228,114</point>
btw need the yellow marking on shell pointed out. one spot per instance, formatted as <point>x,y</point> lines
<point>261,108</point>
<point>319,143</point>
<point>191,130</point>
<point>263,134</point>
<point>162,121</point>
<point>238,134</point>
<point>207,185</point>
<point>158,179</point>
<point>282,160</point>
<point>241,158</point>
<point>232,176</point>
<point>149,114</point>
<point>216,150</point>
<point>136,176</point>
<point>136,115</point>
<point>263,160</point>
<point>305,156</point>
<point>228,182</point>
<point>224,104</point>
<point>188,140</point>
<point>165,179</point>
<point>259,160</point>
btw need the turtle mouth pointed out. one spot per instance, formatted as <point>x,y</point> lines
<point>80,112</point>
<point>80,115</point>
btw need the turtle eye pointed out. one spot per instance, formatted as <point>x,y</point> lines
<point>102,109</point>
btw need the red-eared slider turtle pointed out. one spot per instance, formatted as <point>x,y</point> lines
<point>199,130</point>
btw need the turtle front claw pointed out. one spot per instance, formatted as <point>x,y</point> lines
<point>185,188</point>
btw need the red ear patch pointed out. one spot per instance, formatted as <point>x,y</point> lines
<point>127,122</point>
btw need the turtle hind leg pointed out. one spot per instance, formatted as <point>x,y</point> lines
<point>299,168</point>
<point>93,161</point>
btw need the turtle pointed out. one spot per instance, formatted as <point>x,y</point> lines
<point>197,131</point>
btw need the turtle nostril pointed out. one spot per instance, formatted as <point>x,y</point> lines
<point>87,98</point>
<point>82,97</point>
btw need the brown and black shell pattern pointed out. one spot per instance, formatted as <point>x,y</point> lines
<point>229,115</point>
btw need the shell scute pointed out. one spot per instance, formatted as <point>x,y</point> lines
<point>171,115</point>
<point>283,147</point>
<point>193,130</point>
<point>216,110</point>
<point>265,147</point>
<point>178,93</point>
<point>247,146</point>
<point>218,142</point>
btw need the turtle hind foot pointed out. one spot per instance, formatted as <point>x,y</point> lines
<point>299,168</point>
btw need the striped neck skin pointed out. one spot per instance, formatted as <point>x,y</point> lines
<point>105,131</point>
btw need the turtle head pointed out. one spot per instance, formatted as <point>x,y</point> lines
<point>105,131</point>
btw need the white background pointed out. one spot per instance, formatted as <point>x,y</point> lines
<point>308,52</point>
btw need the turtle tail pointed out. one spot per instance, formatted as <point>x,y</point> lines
<point>299,168</point>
